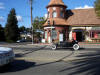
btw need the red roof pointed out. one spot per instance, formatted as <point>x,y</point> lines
<point>57,21</point>
<point>56,2</point>
<point>83,17</point>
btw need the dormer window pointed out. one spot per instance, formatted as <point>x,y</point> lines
<point>54,14</point>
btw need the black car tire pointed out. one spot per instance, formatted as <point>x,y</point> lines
<point>54,47</point>
<point>76,46</point>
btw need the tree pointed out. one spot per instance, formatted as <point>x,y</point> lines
<point>38,23</point>
<point>2,37</point>
<point>97,7</point>
<point>11,29</point>
<point>22,29</point>
<point>38,28</point>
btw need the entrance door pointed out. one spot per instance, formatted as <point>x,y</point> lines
<point>79,36</point>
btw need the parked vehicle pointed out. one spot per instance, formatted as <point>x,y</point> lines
<point>6,55</point>
<point>23,40</point>
<point>74,44</point>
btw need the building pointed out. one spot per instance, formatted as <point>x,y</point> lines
<point>63,24</point>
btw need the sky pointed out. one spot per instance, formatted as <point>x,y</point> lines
<point>22,8</point>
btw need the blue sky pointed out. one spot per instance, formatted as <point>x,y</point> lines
<point>22,8</point>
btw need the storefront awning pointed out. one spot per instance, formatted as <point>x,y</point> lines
<point>49,27</point>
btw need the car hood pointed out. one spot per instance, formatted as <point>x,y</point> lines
<point>4,49</point>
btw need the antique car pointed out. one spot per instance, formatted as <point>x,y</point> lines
<point>73,44</point>
<point>6,55</point>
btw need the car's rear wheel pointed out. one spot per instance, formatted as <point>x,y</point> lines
<point>76,46</point>
<point>54,47</point>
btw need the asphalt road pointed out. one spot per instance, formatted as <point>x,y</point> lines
<point>83,67</point>
<point>89,66</point>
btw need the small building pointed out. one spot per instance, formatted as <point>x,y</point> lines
<point>77,24</point>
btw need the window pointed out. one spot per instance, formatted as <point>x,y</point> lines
<point>61,14</point>
<point>54,14</point>
<point>54,34</point>
<point>54,8</point>
<point>45,34</point>
<point>48,9</point>
<point>61,9</point>
<point>48,15</point>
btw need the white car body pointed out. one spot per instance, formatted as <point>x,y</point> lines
<point>6,55</point>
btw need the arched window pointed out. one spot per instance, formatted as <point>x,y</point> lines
<point>54,14</point>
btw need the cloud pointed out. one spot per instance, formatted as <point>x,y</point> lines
<point>84,7</point>
<point>19,18</point>
<point>2,6</point>
<point>1,19</point>
<point>46,15</point>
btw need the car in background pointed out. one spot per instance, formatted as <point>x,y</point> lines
<point>74,44</point>
<point>22,40</point>
<point>6,55</point>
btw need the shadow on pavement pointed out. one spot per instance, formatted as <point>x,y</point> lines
<point>89,65</point>
<point>60,60</point>
<point>28,52</point>
<point>17,65</point>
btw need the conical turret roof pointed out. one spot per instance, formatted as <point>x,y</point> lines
<point>56,2</point>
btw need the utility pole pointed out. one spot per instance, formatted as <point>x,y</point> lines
<point>31,2</point>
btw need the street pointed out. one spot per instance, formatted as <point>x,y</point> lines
<point>41,60</point>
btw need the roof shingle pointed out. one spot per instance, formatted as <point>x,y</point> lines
<point>83,17</point>
<point>80,17</point>
<point>56,2</point>
<point>57,21</point>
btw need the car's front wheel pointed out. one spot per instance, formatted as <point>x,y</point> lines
<point>76,47</point>
<point>54,47</point>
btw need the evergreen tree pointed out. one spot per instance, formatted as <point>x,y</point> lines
<point>11,28</point>
<point>97,7</point>
<point>2,37</point>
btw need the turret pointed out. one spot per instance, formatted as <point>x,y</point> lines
<point>56,9</point>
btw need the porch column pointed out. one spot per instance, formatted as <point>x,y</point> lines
<point>70,35</point>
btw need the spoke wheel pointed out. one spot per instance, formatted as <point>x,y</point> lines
<point>76,47</point>
<point>54,47</point>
